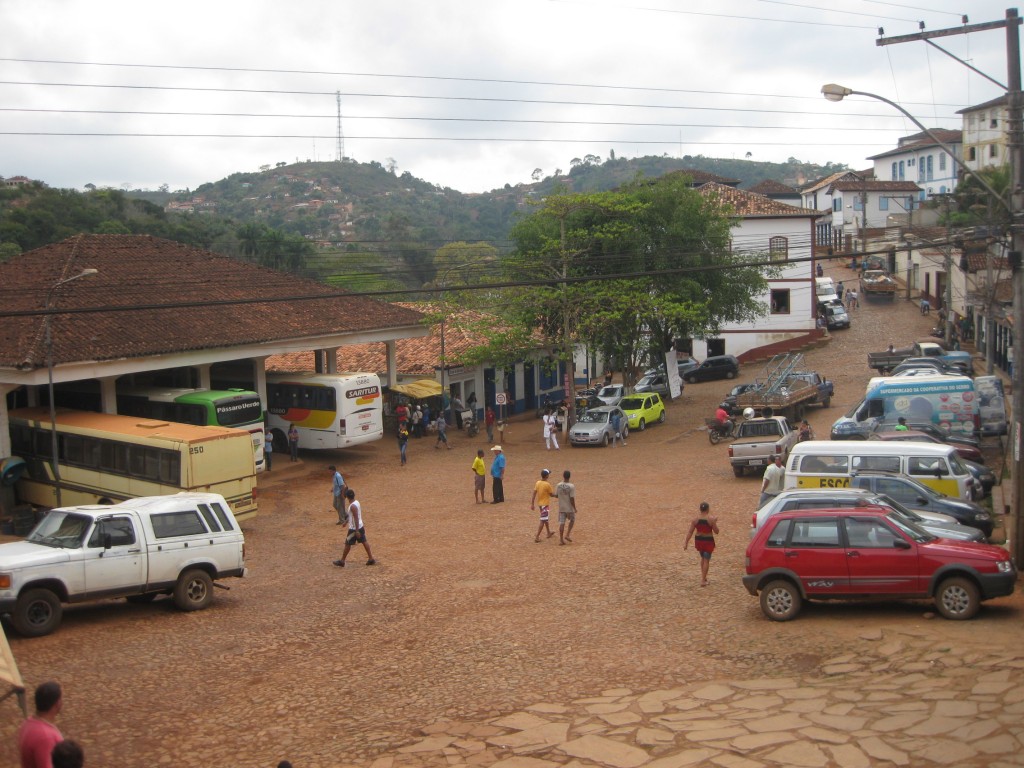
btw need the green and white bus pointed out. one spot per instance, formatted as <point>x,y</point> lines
<point>235,408</point>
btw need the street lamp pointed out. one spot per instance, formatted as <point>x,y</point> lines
<point>47,322</point>
<point>834,92</point>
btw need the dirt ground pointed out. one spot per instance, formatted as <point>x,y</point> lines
<point>464,617</point>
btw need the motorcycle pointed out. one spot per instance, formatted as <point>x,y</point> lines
<point>717,432</point>
<point>469,423</point>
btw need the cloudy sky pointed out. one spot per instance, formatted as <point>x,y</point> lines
<point>468,94</point>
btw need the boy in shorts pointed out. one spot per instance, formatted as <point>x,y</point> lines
<point>566,493</point>
<point>356,531</point>
<point>542,493</point>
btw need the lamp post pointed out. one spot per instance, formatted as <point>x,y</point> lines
<point>47,322</point>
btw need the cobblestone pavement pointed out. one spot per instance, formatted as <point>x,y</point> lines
<point>469,643</point>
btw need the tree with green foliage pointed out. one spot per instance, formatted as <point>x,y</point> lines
<point>975,205</point>
<point>627,272</point>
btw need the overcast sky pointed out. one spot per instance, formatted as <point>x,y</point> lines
<point>467,94</point>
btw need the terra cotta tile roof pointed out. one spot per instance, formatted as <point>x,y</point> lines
<point>230,302</point>
<point>750,205</point>
<point>418,356</point>
<point>770,187</point>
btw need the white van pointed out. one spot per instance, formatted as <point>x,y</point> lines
<point>825,289</point>
<point>831,464</point>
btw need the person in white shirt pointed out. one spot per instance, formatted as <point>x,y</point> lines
<point>356,531</point>
<point>774,478</point>
<point>551,430</point>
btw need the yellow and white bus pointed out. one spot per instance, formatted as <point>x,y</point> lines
<point>103,456</point>
<point>329,410</point>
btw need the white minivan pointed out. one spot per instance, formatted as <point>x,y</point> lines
<point>831,464</point>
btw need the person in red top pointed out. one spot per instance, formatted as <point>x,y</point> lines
<point>489,423</point>
<point>38,735</point>
<point>705,526</point>
<point>402,412</point>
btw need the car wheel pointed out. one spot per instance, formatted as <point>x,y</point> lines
<point>38,612</point>
<point>194,590</point>
<point>604,440</point>
<point>689,379</point>
<point>661,417</point>
<point>642,425</point>
<point>957,598</point>
<point>737,470</point>
<point>730,374</point>
<point>826,402</point>
<point>780,600</point>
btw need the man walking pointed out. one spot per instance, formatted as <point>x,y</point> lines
<point>442,432</point>
<point>268,448</point>
<point>478,477</point>
<point>497,476</point>
<point>338,494</point>
<point>489,423</point>
<point>38,735</point>
<point>550,429</point>
<point>356,531</point>
<point>566,493</point>
<point>542,493</point>
<point>774,478</point>
<point>618,428</point>
<point>293,442</point>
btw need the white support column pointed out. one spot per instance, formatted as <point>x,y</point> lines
<point>259,368</point>
<point>331,363</point>
<point>392,363</point>
<point>108,394</point>
<point>204,375</point>
<point>5,422</point>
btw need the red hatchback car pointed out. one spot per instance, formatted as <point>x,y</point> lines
<point>865,553</point>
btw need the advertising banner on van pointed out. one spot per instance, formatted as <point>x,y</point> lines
<point>952,404</point>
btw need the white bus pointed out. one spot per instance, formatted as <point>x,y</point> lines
<point>329,410</point>
<point>106,457</point>
<point>236,408</point>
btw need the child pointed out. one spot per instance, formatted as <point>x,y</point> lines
<point>542,493</point>
<point>706,526</point>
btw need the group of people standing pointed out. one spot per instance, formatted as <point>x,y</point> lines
<point>40,742</point>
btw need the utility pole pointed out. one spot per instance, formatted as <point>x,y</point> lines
<point>1015,205</point>
<point>341,139</point>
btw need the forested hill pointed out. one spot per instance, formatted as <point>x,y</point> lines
<point>315,217</point>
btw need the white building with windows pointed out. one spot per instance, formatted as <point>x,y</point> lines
<point>984,134</point>
<point>861,209</point>
<point>782,233</point>
<point>921,159</point>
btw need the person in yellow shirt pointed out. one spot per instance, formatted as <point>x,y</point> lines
<point>542,493</point>
<point>478,477</point>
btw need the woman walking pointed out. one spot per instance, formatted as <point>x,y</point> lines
<point>705,526</point>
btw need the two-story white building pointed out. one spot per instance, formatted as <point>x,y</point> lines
<point>861,209</point>
<point>920,158</point>
<point>783,233</point>
<point>984,134</point>
<point>817,196</point>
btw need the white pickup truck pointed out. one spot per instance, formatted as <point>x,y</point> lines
<point>759,441</point>
<point>138,549</point>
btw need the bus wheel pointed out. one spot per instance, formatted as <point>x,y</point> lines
<point>194,590</point>
<point>37,613</point>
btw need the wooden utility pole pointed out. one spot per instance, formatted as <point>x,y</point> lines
<point>1015,205</point>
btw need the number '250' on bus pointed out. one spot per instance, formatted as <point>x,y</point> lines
<point>103,456</point>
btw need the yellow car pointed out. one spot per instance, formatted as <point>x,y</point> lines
<point>643,408</point>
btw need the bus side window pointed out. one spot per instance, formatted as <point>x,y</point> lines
<point>927,465</point>
<point>877,463</point>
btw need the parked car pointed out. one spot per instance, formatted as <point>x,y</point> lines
<point>687,365</point>
<point>716,367</point>
<point>969,452</point>
<point>984,478</point>
<point>937,524</point>
<point>654,382</point>
<point>729,401</point>
<point>595,426</point>
<point>929,362</point>
<point>918,496</point>
<point>869,553</point>
<point>643,408</point>
<point>953,438</point>
<point>611,394</point>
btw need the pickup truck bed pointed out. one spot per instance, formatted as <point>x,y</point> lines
<point>799,391</point>
<point>758,441</point>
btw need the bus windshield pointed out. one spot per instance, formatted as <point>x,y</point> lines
<point>238,410</point>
